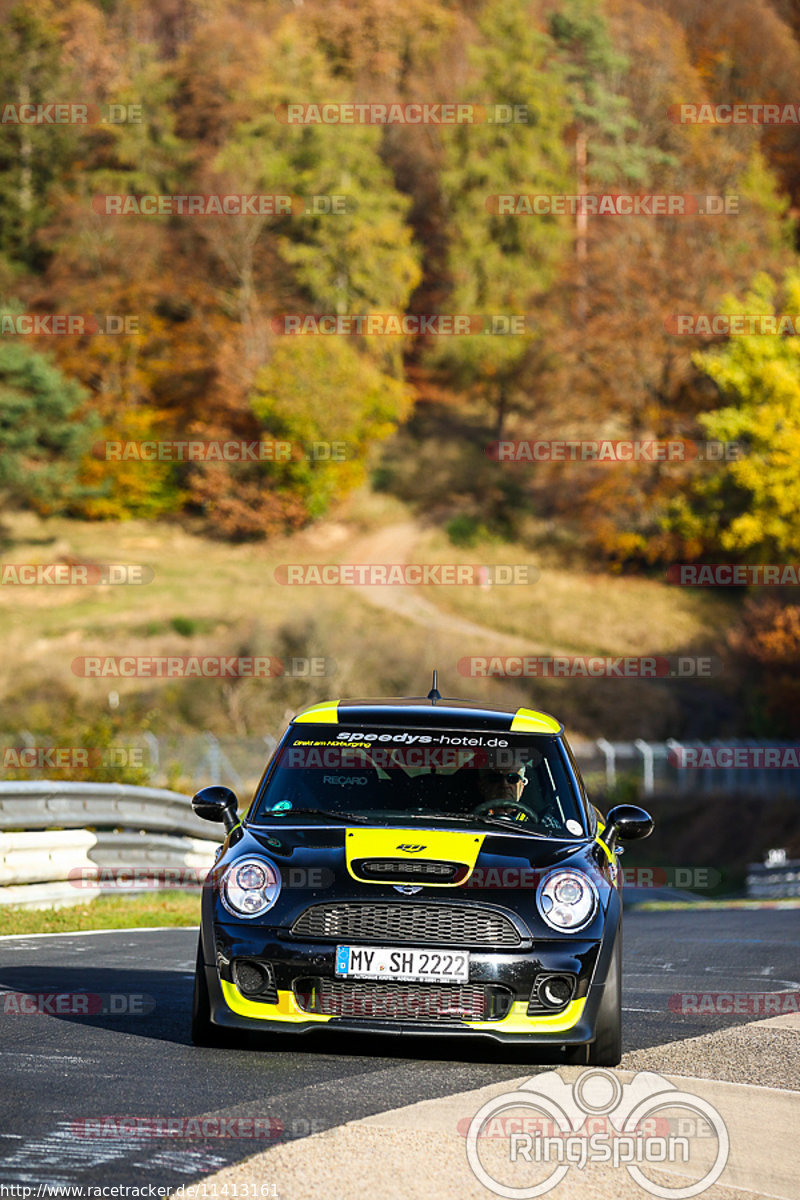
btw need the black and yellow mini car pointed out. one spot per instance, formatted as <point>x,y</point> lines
<point>425,866</point>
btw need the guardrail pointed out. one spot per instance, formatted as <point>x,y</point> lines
<point>202,758</point>
<point>775,879</point>
<point>57,839</point>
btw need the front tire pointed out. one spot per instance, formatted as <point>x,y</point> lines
<point>204,1031</point>
<point>606,1049</point>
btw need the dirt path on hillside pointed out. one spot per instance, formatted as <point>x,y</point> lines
<point>395,544</point>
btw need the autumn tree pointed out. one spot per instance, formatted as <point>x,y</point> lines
<point>499,264</point>
<point>750,507</point>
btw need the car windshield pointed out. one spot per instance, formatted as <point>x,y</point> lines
<point>519,781</point>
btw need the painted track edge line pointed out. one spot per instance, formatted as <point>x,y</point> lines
<point>7,937</point>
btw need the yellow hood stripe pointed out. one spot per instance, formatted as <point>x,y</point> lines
<point>421,845</point>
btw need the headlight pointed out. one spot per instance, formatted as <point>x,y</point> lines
<point>567,900</point>
<point>250,887</point>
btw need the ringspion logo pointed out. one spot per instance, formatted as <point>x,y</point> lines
<point>548,1125</point>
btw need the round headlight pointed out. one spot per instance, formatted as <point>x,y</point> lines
<point>250,887</point>
<point>567,900</point>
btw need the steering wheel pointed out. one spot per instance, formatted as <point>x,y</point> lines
<point>487,805</point>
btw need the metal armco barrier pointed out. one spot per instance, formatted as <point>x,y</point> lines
<point>773,882</point>
<point>43,804</point>
<point>57,836</point>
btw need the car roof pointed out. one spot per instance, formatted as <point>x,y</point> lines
<point>418,712</point>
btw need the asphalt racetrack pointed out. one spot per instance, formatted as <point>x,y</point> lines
<point>73,1084</point>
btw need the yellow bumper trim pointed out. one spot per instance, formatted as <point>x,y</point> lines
<point>287,1008</point>
<point>517,1021</point>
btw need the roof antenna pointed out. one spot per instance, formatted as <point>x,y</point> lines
<point>434,694</point>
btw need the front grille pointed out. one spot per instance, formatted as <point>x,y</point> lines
<point>406,924</point>
<point>424,1003</point>
<point>406,870</point>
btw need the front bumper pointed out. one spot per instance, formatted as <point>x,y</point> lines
<point>293,961</point>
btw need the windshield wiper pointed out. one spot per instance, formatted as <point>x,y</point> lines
<point>315,812</point>
<point>516,826</point>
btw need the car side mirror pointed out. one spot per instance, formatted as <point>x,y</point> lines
<point>627,823</point>
<point>217,803</point>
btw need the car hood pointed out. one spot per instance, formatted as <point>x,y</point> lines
<point>435,857</point>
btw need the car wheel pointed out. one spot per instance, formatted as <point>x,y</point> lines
<point>606,1049</point>
<point>204,1032</point>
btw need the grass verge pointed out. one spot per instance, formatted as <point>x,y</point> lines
<point>107,912</point>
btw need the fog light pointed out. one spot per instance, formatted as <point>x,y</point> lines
<point>251,978</point>
<point>555,990</point>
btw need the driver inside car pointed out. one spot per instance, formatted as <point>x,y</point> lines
<point>506,787</point>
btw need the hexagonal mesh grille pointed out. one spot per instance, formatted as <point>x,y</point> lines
<point>406,924</point>
<point>422,1002</point>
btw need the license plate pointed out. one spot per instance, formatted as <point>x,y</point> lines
<point>420,966</point>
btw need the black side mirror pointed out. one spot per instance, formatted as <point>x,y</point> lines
<point>217,803</point>
<point>627,823</point>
